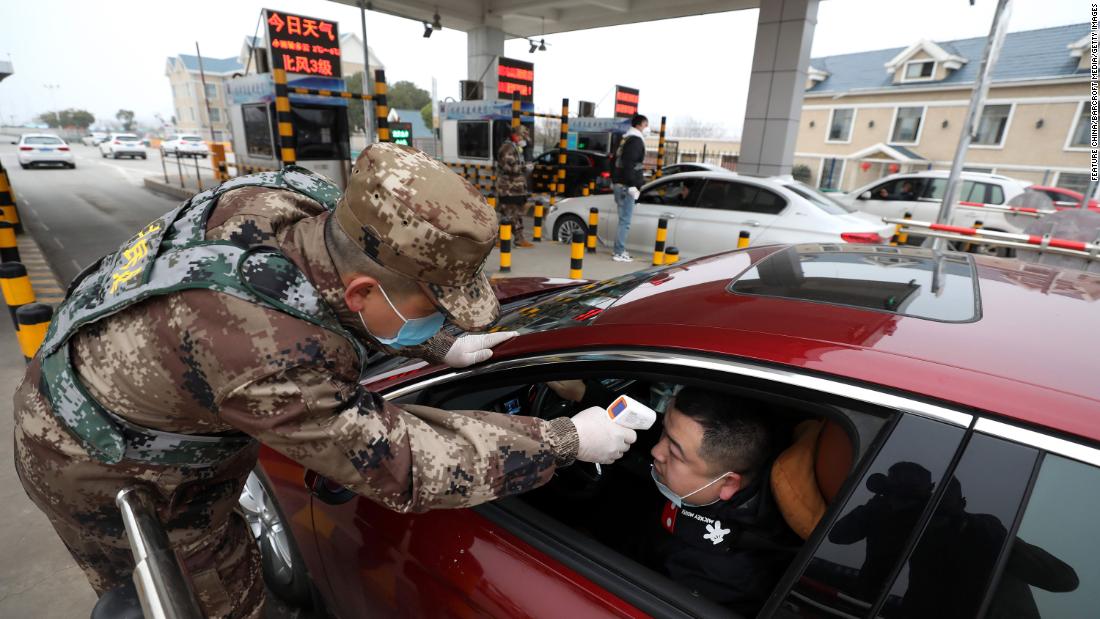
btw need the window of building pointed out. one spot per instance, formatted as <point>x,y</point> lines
<point>832,170</point>
<point>211,91</point>
<point>919,70</point>
<point>907,125</point>
<point>993,125</point>
<point>1074,181</point>
<point>473,139</point>
<point>840,127</point>
<point>215,115</point>
<point>1080,133</point>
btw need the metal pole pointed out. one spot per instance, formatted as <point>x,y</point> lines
<point>368,84</point>
<point>164,166</point>
<point>205,99</point>
<point>198,175</point>
<point>977,101</point>
<point>179,168</point>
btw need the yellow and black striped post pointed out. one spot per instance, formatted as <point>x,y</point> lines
<point>34,320</point>
<point>970,246</point>
<point>660,150</point>
<point>659,246</point>
<point>288,150</point>
<point>557,183</point>
<point>381,107</point>
<point>217,161</point>
<point>9,250</point>
<point>672,255</point>
<point>505,245</point>
<point>743,239</point>
<point>593,227</point>
<point>16,286</point>
<point>515,112</point>
<point>903,233</point>
<point>576,256</point>
<point>8,211</point>
<point>536,232</point>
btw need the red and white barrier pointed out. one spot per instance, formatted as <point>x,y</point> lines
<point>1006,239</point>
<point>1026,211</point>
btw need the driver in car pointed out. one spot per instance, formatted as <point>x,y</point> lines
<point>720,534</point>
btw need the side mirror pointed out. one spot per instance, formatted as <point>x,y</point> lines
<point>866,195</point>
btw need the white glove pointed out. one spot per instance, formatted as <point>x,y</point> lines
<point>470,349</point>
<point>634,193</point>
<point>601,440</point>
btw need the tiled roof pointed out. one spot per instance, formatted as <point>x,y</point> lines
<point>1027,55</point>
<point>211,65</point>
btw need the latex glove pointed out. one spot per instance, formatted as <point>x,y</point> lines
<point>601,440</point>
<point>470,349</point>
<point>634,192</point>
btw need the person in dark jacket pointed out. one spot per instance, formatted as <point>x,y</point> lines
<point>721,533</point>
<point>628,180</point>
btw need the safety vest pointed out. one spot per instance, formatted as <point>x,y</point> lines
<point>167,256</point>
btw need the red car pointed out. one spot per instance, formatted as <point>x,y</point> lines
<point>1064,198</point>
<point>948,427</point>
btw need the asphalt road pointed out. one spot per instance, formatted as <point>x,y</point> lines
<point>79,215</point>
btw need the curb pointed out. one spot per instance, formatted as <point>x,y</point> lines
<point>47,288</point>
<point>168,190</point>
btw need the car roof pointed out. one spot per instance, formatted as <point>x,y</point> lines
<point>1022,358</point>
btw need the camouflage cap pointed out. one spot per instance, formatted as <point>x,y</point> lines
<point>415,217</point>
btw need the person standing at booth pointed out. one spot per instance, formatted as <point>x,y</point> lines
<point>628,179</point>
<point>511,185</point>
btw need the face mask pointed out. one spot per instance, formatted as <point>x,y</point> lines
<point>413,333</point>
<point>645,132</point>
<point>678,500</point>
<point>522,143</point>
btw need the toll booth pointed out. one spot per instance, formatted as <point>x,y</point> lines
<point>601,135</point>
<point>472,131</point>
<point>320,124</point>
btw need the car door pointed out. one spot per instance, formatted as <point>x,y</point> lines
<point>725,209</point>
<point>671,199</point>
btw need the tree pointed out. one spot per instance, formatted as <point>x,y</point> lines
<point>802,173</point>
<point>51,119</point>
<point>688,127</point>
<point>426,114</point>
<point>81,119</point>
<point>126,117</point>
<point>406,95</point>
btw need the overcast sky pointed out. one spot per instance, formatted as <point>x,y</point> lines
<point>103,56</point>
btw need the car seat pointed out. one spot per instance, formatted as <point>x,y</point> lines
<point>807,476</point>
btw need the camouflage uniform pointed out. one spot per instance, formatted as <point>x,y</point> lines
<point>511,184</point>
<point>204,362</point>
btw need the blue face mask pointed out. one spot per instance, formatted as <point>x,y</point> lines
<point>678,500</point>
<point>414,332</point>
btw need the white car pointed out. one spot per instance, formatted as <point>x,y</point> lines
<point>36,148</point>
<point>186,144</point>
<point>122,145</point>
<point>921,193</point>
<point>93,139</point>
<point>707,211</point>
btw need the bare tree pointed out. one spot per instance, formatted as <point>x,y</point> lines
<point>690,127</point>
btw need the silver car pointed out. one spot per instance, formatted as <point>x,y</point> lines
<point>707,212</point>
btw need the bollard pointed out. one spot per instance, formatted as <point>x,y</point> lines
<point>16,287</point>
<point>505,245</point>
<point>536,232</point>
<point>743,239</point>
<point>9,250</point>
<point>8,211</point>
<point>576,257</point>
<point>593,224</point>
<point>217,162</point>
<point>672,255</point>
<point>34,320</point>
<point>970,246</point>
<point>903,234</point>
<point>288,140</point>
<point>659,246</point>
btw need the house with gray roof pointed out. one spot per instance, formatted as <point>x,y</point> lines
<point>183,72</point>
<point>869,114</point>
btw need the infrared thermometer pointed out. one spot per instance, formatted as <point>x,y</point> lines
<point>629,413</point>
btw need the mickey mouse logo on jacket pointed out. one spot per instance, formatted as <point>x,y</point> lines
<point>715,533</point>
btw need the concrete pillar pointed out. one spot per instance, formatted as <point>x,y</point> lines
<point>484,45</point>
<point>784,33</point>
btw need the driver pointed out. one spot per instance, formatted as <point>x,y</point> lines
<point>721,534</point>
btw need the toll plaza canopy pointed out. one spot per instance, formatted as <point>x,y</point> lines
<point>779,70</point>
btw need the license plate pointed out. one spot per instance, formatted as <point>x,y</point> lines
<point>46,150</point>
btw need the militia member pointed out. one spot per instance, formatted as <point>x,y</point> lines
<point>512,183</point>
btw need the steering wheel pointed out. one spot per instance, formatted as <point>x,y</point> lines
<point>581,480</point>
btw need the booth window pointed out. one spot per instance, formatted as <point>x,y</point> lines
<point>321,132</point>
<point>257,131</point>
<point>473,139</point>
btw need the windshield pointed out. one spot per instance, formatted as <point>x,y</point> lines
<point>191,138</point>
<point>127,138</point>
<point>42,140</point>
<point>819,199</point>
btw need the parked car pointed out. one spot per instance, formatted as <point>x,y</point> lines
<point>122,145</point>
<point>941,473</point>
<point>581,168</point>
<point>185,144</point>
<point>93,139</point>
<point>707,211</point>
<point>677,168</point>
<point>921,193</point>
<point>39,148</point>
<point>1064,198</point>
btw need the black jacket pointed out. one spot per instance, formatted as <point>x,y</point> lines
<point>738,568</point>
<point>628,162</point>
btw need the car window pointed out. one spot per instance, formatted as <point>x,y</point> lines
<point>673,169</point>
<point>546,158</point>
<point>755,199</point>
<point>577,159</point>
<point>866,542</point>
<point>127,138</point>
<point>994,194</point>
<point>43,140</point>
<point>819,199</point>
<point>673,192</point>
<point>1052,570</point>
<point>191,138</point>
<point>903,189</point>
